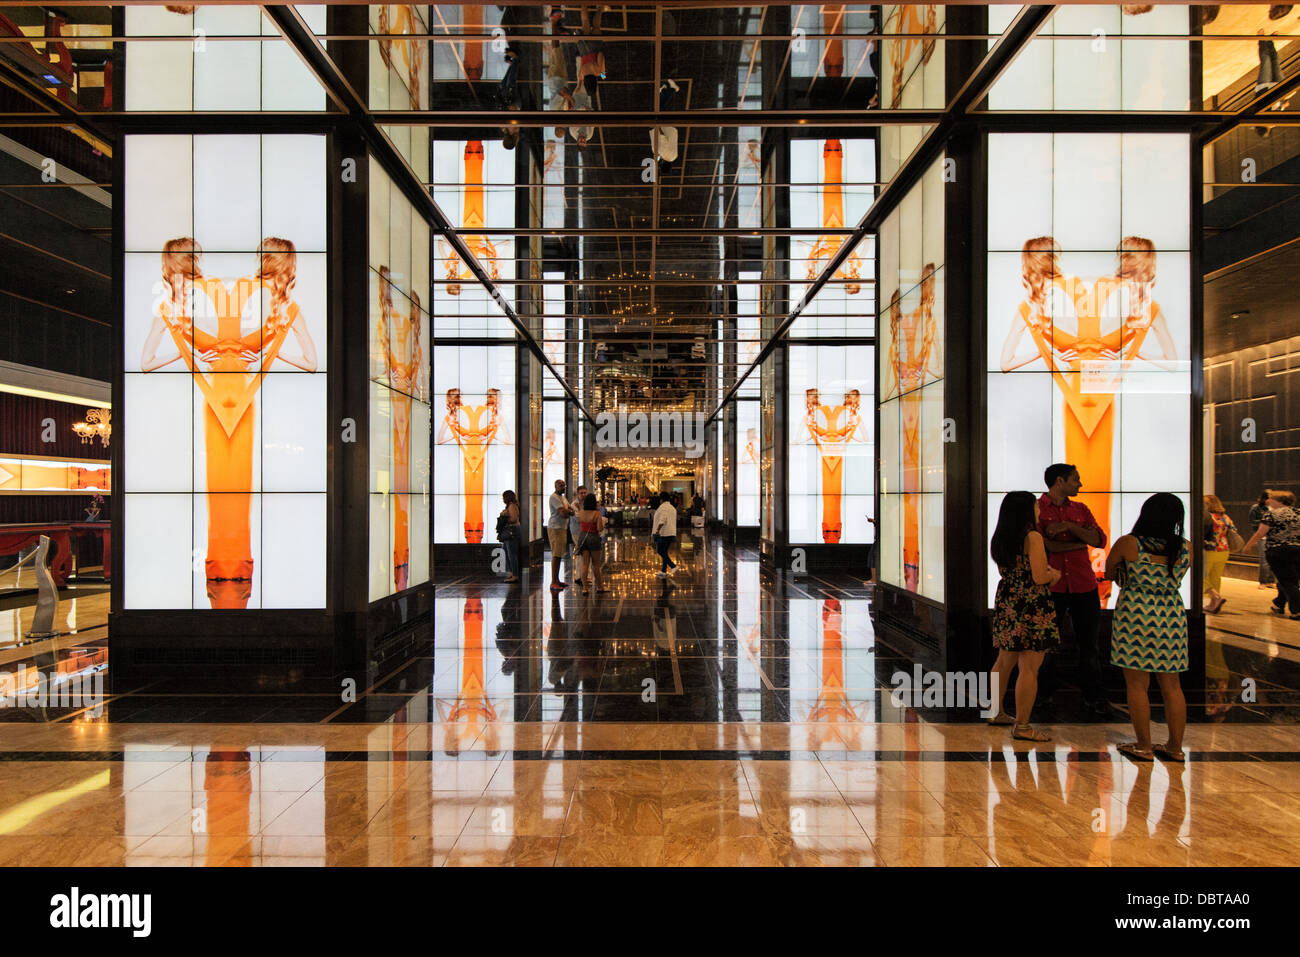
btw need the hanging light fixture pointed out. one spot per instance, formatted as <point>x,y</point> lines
<point>98,423</point>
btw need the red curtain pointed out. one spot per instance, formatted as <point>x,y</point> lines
<point>22,428</point>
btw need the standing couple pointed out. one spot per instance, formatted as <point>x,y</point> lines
<point>580,519</point>
<point>1041,549</point>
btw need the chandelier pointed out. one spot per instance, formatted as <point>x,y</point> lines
<point>97,424</point>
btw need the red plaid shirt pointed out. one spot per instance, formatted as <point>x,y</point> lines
<point>1075,566</point>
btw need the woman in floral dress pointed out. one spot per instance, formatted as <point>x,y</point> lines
<point>1024,619</point>
<point>1149,634</point>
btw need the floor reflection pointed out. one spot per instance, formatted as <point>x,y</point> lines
<point>723,718</point>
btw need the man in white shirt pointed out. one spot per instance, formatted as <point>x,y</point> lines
<point>664,531</point>
<point>557,532</point>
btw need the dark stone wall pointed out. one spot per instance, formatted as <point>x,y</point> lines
<point>1263,383</point>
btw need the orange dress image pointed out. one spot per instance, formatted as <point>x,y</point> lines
<point>913,18</point>
<point>911,351</point>
<point>1088,337</point>
<point>833,218</point>
<point>481,247</point>
<point>403,20</point>
<point>833,27</point>
<point>236,361</point>
<point>831,429</point>
<point>472,17</point>
<point>228,790</point>
<point>403,359</point>
<point>832,706</point>
<point>472,714</point>
<point>473,428</point>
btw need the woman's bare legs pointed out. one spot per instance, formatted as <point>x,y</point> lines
<point>1171,691</point>
<point>1027,684</point>
<point>1002,669</point>
<point>1136,684</point>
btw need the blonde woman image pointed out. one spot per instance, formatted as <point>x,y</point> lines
<point>1088,338</point>
<point>228,352</point>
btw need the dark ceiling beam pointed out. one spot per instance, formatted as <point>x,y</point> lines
<point>58,109</point>
<point>817,122</point>
<point>491,119</point>
<point>299,35</point>
<point>1000,56</point>
<point>648,232</point>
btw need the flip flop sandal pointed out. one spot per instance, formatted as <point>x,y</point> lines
<point>1164,754</point>
<point>1027,733</point>
<point>1131,751</point>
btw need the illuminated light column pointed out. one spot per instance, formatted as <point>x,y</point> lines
<point>411,51</point>
<point>914,18</point>
<point>466,426</point>
<point>228,785</point>
<point>481,247</point>
<point>832,705</point>
<point>832,428</point>
<point>833,218</point>
<point>911,347</point>
<point>1088,337</point>
<point>237,365</point>
<point>472,713</point>
<point>403,369</point>
<point>473,15</point>
<point>833,26</point>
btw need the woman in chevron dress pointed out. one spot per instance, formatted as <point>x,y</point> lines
<point>1149,634</point>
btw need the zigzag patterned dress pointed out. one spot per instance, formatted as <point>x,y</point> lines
<point>1150,628</point>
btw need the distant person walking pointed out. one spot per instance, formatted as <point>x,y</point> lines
<point>1149,633</point>
<point>1221,538</point>
<point>1024,618</point>
<point>1257,512</point>
<point>1280,528</point>
<point>664,532</point>
<point>508,533</point>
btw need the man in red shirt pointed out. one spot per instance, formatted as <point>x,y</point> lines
<point>1069,530</point>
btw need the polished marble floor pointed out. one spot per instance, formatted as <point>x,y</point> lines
<point>723,718</point>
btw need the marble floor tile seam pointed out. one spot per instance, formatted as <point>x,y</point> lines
<point>1087,755</point>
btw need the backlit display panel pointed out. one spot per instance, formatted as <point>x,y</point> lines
<point>225,380</point>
